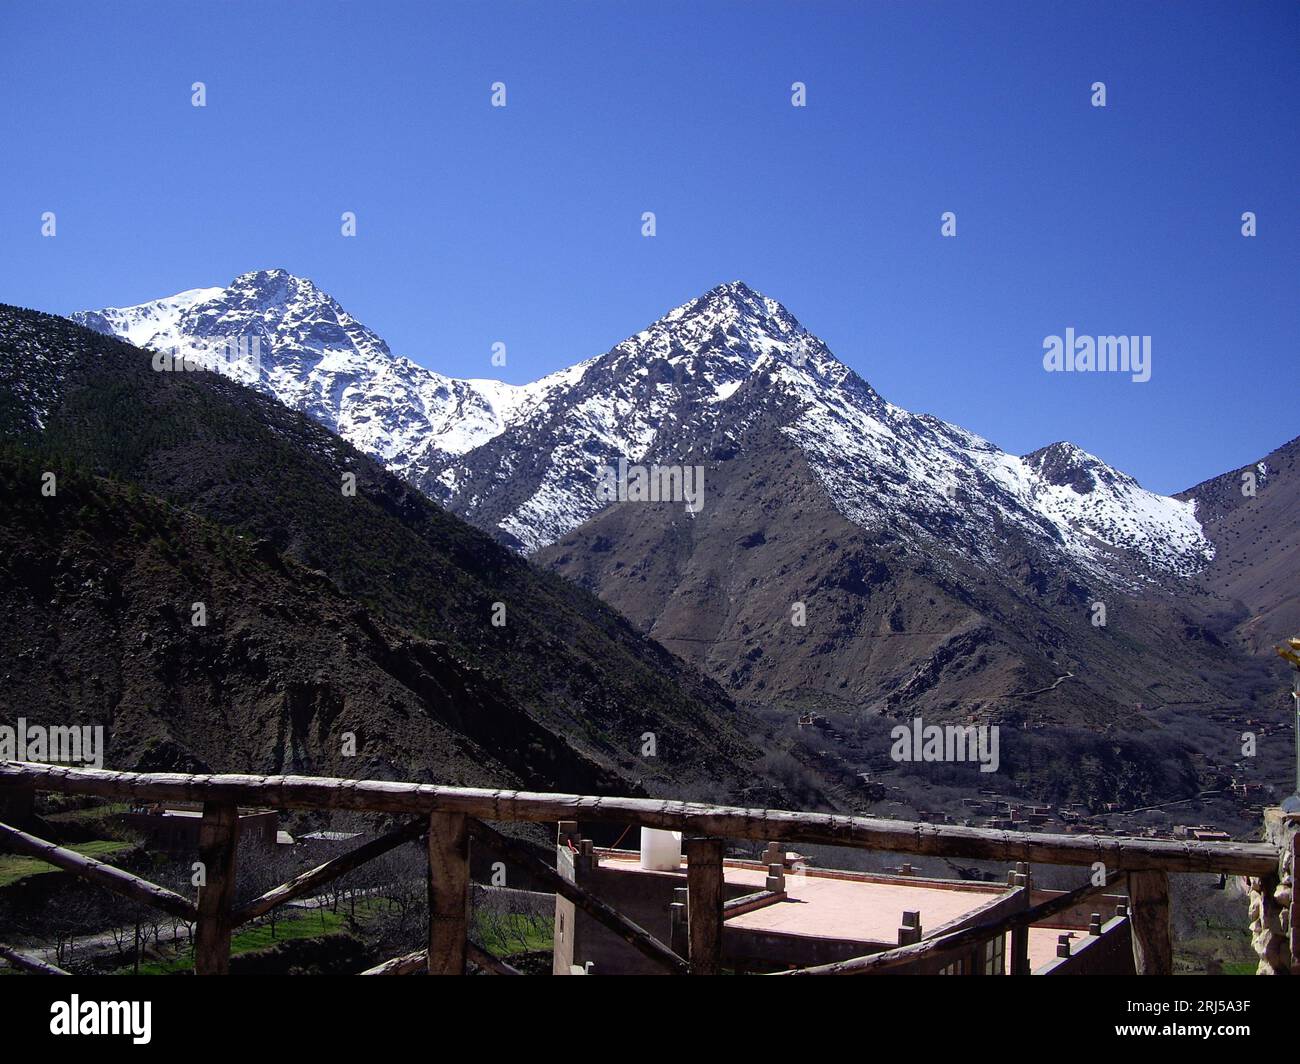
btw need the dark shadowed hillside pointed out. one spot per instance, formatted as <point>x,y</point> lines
<point>564,678</point>
<point>99,587</point>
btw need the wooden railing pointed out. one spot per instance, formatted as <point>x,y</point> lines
<point>453,819</point>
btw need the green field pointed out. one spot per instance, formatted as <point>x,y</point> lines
<point>12,869</point>
<point>91,814</point>
<point>514,933</point>
<point>296,925</point>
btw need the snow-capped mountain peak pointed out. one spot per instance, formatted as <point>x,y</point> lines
<point>1065,463</point>
<point>1099,504</point>
<point>292,311</point>
<point>296,342</point>
<point>728,333</point>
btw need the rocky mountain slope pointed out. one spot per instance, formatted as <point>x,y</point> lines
<point>1252,518</point>
<point>561,693</point>
<point>99,585</point>
<point>783,599</point>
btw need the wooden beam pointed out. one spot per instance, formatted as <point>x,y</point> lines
<point>310,881</point>
<point>411,963</point>
<point>448,893</point>
<point>407,964</point>
<point>105,875</point>
<point>631,933</point>
<point>28,963</point>
<point>691,818</point>
<point>704,904</point>
<point>218,839</point>
<point>1148,896</point>
<point>956,942</point>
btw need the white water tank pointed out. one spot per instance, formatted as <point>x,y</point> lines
<point>661,851</point>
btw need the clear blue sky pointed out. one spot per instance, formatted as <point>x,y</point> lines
<point>522,224</point>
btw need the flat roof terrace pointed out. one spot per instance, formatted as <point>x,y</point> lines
<point>853,906</point>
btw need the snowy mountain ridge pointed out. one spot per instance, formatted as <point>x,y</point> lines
<point>523,461</point>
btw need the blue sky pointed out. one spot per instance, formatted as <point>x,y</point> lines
<point>523,224</point>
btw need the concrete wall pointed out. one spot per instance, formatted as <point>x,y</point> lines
<point>1110,953</point>
<point>181,833</point>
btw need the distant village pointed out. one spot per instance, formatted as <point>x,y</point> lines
<point>1225,783</point>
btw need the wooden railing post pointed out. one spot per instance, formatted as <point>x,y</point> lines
<point>1148,895</point>
<point>704,904</point>
<point>448,893</point>
<point>218,840</point>
<point>1020,936</point>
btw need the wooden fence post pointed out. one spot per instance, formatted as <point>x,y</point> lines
<point>218,840</point>
<point>704,904</point>
<point>1020,936</point>
<point>1148,895</point>
<point>448,893</point>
